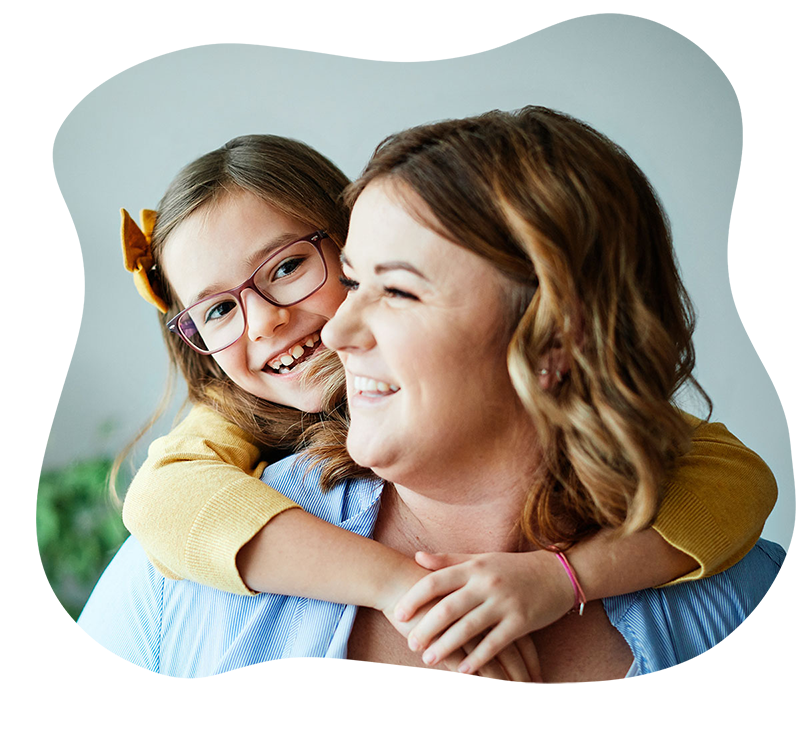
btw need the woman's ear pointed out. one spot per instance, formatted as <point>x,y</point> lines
<point>552,369</point>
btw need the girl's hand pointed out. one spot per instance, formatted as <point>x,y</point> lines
<point>499,596</point>
<point>517,662</point>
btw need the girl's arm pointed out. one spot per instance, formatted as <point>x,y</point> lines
<point>715,504</point>
<point>716,500</point>
<point>201,513</point>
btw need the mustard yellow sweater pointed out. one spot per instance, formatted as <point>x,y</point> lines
<point>197,500</point>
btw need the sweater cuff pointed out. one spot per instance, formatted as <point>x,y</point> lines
<point>228,521</point>
<point>685,523</point>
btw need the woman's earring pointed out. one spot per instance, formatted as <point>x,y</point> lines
<point>558,376</point>
<point>543,372</point>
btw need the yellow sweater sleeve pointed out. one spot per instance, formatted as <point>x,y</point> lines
<point>716,500</point>
<point>197,500</point>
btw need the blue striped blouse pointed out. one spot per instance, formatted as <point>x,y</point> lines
<point>184,629</point>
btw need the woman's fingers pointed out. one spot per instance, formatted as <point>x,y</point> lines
<point>435,585</point>
<point>514,664</point>
<point>528,651</point>
<point>492,670</point>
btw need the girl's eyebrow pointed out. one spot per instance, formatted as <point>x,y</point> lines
<point>255,259</point>
<point>389,266</point>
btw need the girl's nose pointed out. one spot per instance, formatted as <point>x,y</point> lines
<point>263,318</point>
<point>347,330</point>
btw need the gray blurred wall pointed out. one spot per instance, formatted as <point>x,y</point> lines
<point>642,84</point>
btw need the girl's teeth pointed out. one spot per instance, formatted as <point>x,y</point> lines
<point>294,353</point>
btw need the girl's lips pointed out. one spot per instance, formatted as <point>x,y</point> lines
<point>289,359</point>
<point>296,366</point>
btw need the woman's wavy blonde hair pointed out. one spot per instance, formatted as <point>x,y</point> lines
<point>574,224</point>
<point>296,180</point>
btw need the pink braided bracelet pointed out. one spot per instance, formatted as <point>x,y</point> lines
<point>580,597</point>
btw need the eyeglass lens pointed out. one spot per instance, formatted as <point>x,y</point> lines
<point>289,277</point>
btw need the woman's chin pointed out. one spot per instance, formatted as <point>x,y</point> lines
<point>367,454</point>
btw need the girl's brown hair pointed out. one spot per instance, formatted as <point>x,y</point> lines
<point>294,179</point>
<point>574,224</point>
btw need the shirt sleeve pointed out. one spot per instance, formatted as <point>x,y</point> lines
<point>197,500</point>
<point>716,500</point>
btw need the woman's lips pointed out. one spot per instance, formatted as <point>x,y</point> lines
<point>372,387</point>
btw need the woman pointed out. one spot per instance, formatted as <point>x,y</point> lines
<point>556,228</point>
<point>453,227</point>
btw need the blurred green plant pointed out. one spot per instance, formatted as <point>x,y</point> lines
<point>78,527</point>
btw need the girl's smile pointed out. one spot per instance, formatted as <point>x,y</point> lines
<point>216,248</point>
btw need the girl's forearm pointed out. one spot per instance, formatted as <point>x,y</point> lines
<point>608,566</point>
<point>300,555</point>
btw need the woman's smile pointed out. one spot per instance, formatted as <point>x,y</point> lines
<point>423,340</point>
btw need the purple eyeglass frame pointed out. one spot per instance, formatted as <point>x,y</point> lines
<point>315,239</point>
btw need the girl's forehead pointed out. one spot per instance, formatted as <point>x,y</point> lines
<point>220,244</point>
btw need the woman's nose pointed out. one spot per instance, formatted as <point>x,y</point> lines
<point>347,329</point>
<point>263,318</point>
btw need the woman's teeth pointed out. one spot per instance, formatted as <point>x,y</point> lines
<point>285,362</point>
<point>371,386</point>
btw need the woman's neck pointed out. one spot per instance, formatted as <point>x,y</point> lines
<point>474,510</point>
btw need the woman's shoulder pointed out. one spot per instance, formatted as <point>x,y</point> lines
<point>666,626</point>
<point>298,478</point>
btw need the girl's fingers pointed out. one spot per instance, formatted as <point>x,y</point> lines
<point>435,585</point>
<point>433,561</point>
<point>447,611</point>
<point>489,647</point>
<point>466,628</point>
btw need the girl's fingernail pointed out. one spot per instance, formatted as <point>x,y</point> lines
<point>400,614</point>
<point>429,657</point>
<point>463,668</point>
<point>413,644</point>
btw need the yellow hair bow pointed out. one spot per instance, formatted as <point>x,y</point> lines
<point>138,257</point>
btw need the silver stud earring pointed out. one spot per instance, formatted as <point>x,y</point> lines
<point>543,372</point>
<point>558,376</point>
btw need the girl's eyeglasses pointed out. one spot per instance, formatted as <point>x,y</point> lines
<point>289,275</point>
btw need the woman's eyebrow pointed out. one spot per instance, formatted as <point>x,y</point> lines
<point>399,266</point>
<point>389,266</point>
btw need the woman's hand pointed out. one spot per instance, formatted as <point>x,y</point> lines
<point>494,598</point>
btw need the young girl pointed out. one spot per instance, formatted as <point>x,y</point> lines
<point>269,209</point>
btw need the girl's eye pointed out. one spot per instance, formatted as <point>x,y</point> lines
<point>349,284</point>
<point>219,311</point>
<point>398,294</point>
<point>287,268</point>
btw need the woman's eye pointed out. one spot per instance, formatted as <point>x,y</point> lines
<point>398,294</point>
<point>287,268</point>
<point>219,311</point>
<point>349,284</point>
